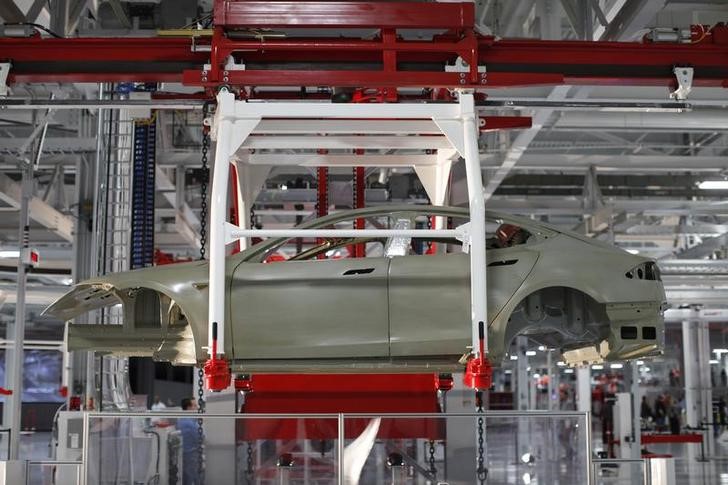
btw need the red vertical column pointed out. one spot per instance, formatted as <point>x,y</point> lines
<point>359,201</point>
<point>322,196</point>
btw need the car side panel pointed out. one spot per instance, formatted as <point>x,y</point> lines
<point>429,298</point>
<point>319,309</point>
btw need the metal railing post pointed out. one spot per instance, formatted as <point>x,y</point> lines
<point>341,447</point>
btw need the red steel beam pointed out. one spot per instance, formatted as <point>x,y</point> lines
<point>341,15</point>
<point>387,61</point>
<point>156,59</point>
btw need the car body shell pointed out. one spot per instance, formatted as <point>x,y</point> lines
<point>389,314</point>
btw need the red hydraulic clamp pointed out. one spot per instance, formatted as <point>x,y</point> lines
<point>478,371</point>
<point>217,371</point>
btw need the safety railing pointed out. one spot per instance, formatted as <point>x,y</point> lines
<point>53,472</point>
<point>535,447</point>
<point>620,471</point>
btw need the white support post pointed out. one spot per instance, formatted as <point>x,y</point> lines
<point>583,389</point>
<point>478,302</point>
<point>15,333</point>
<point>229,132</point>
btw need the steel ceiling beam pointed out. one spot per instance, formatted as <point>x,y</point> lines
<point>10,12</point>
<point>633,16</point>
<point>569,162</point>
<point>40,211</point>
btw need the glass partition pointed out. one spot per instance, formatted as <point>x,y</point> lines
<point>620,472</point>
<point>231,449</point>
<point>500,447</point>
<point>53,472</point>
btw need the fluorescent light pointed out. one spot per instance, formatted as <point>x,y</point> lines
<point>616,366</point>
<point>514,357</point>
<point>568,371</point>
<point>720,351</point>
<point>714,362</point>
<point>640,362</point>
<point>542,348</point>
<point>713,185</point>
<point>284,187</point>
<point>561,364</point>
<point>10,254</point>
<point>597,367</point>
<point>537,376</point>
<point>530,353</point>
<point>508,371</point>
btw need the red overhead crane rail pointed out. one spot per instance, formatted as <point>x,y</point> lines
<point>255,43</point>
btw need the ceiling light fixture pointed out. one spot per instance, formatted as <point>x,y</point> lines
<point>713,185</point>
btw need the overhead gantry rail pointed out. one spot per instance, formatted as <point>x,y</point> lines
<point>255,43</point>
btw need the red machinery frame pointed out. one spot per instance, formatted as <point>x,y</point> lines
<point>250,58</point>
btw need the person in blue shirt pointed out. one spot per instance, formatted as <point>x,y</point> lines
<point>191,445</point>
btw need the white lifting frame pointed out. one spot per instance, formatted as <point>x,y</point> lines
<point>235,121</point>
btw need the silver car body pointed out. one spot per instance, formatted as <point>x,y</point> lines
<point>407,313</point>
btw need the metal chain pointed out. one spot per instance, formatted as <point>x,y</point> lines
<point>203,183</point>
<point>433,469</point>
<point>429,241</point>
<point>353,192</point>
<point>203,244</point>
<point>249,471</point>
<point>482,471</point>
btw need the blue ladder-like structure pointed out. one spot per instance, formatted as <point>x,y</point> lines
<point>142,199</point>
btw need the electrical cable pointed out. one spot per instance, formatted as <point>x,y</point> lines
<point>36,26</point>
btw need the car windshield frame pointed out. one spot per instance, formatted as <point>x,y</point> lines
<point>258,252</point>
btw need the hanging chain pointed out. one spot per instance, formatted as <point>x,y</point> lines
<point>433,469</point>
<point>249,471</point>
<point>429,241</point>
<point>482,471</point>
<point>200,422</point>
<point>353,191</point>
<point>203,243</point>
<point>203,182</point>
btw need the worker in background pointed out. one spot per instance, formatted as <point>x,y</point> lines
<point>192,442</point>
<point>646,410</point>
<point>158,405</point>
<point>660,412</point>
<point>673,415</point>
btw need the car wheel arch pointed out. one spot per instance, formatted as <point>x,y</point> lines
<point>504,329</point>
